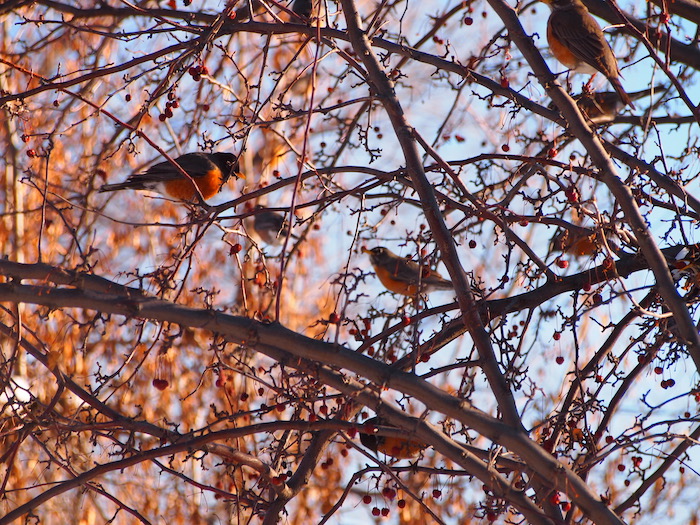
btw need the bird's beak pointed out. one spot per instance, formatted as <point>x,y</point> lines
<point>239,175</point>
<point>365,250</point>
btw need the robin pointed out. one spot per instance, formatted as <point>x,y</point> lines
<point>403,276</point>
<point>577,41</point>
<point>303,8</point>
<point>270,226</point>
<point>587,242</point>
<point>209,171</point>
<point>394,446</point>
<point>687,262</point>
<point>604,106</point>
<point>576,244</point>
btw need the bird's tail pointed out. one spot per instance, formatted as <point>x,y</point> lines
<point>636,95</point>
<point>126,185</point>
<point>620,91</point>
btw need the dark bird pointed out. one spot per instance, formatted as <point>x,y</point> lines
<point>303,8</point>
<point>270,226</point>
<point>394,446</point>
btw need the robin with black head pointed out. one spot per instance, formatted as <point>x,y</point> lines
<point>209,171</point>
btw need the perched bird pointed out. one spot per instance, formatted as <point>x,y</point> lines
<point>604,106</point>
<point>209,171</point>
<point>303,8</point>
<point>577,41</point>
<point>394,446</point>
<point>581,241</point>
<point>270,226</point>
<point>687,259</point>
<point>576,244</point>
<point>686,267</point>
<point>403,276</point>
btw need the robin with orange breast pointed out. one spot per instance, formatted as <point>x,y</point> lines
<point>209,171</point>
<point>403,276</point>
<point>577,41</point>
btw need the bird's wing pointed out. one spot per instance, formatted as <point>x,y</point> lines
<point>586,42</point>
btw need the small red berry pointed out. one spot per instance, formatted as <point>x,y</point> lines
<point>334,318</point>
<point>562,263</point>
<point>560,360</point>
<point>161,384</point>
<point>367,499</point>
<point>572,194</point>
<point>437,493</point>
<point>376,511</point>
<point>389,493</point>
